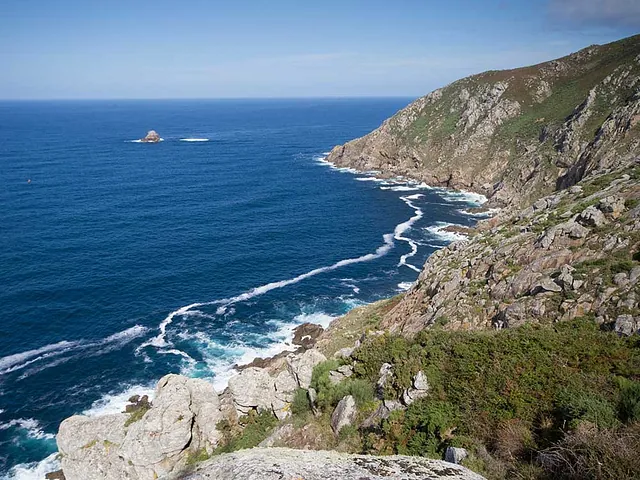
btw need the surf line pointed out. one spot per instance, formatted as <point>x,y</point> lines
<point>403,227</point>
<point>160,341</point>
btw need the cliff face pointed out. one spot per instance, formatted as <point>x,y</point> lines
<point>571,254</point>
<point>514,135</point>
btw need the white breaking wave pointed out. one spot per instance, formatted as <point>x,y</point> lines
<point>194,139</point>
<point>403,227</point>
<point>140,141</point>
<point>18,361</point>
<point>438,231</point>
<point>160,341</point>
<point>34,470</point>
<point>30,426</point>
<point>487,213</point>
<point>471,198</point>
<point>115,401</point>
<point>404,286</point>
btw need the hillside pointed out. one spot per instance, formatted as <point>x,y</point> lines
<point>514,135</point>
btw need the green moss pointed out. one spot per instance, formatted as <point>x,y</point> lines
<point>137,414</point>
<point>255,428</point>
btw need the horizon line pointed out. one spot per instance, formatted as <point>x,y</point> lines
<point>106,99</point>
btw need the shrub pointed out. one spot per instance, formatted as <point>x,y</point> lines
<point>629,406</point>
<point>257,426</point>
<point>300,404</point>
<point>575,406</point>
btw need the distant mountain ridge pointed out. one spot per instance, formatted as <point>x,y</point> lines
<point>514,135</point>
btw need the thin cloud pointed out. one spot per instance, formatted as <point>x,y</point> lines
<point>613,13</point>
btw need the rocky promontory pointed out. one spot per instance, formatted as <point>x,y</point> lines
<point>151,137</point>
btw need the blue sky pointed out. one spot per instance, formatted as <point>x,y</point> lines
<point>285,48</point>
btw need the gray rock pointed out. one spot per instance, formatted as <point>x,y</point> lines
<point>627,325</point>
<point>419,389</point>
<point>289,464</point>
<point>344,414</point>
<point>455,455</point>
<point>344,352</point>
<point>545,285</point>
<point>612,205</point>
<point>301,366</point>
<point>634,274</point>
<point>621,279</point>
<point>337,376</point>
<point>285,388</point>
<point>182,419</point>
<point>575,189</point>
<point>592,217</point>
<point>253,388</point>
<point>386,373</point>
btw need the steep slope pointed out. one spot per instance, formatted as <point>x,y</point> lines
<point>514,135</point>
<point>574,253</point>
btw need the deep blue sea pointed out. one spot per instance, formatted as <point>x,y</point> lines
<point>123,261</point>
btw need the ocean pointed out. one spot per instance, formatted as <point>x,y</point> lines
<point>121,262</point>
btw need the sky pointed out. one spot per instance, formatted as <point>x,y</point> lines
<point>90,49</point>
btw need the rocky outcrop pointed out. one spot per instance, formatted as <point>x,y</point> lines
<point>182,420</point>
<point>573,253</point>
<point>514,135</point>
<point>151,137</point>
<point>288,464</point>
<point>344,414</point>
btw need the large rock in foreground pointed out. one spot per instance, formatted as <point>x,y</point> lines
<point>288,464</point>
<point>181,421</point>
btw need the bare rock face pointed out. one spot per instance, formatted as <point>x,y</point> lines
<point>151,137</point>
<point>344,414</point>
<point>288,464</point>
<point>301,366</point>
<point>180,421</point>
<point>503,134</point>
<point>557,260</point>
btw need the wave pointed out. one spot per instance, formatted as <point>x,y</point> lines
<point>485,214</point>
<point>34,470</point>
<point>31,427</point>
<point>438,231</point>
<point>404,286</point>
<point>403,227</point>
<point>194,139</point>
<point>140,141</point>
<point>160,341</point>
<point>115,401</point>
<point>471,198</point>
<point>54,351</point>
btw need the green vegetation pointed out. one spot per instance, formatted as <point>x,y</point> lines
<point>523,401</point>
<point>137,414</point>
<point>329,394</point>
<point>255,427</point>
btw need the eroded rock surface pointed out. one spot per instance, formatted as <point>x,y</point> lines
<point>288,464</point>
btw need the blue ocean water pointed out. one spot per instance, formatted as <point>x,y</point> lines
<point>122,261</point>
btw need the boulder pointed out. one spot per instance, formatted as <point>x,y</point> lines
<point>545,285</point>
<point>612,205</point>
<point>455,455</point>
<point>592,217</point>
<point>386,374</point>
<point>627,325</point>
<point>344,414</point>
<point>306,335</point>
<point>285,388</point>
<point>344,352</point>
<point>419,389</point>
<point>336,376</point>
<point>252,389</point>
<point>301,366</point>
<point>151,137</point>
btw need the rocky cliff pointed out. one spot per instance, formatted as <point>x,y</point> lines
<point>514,135</point>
